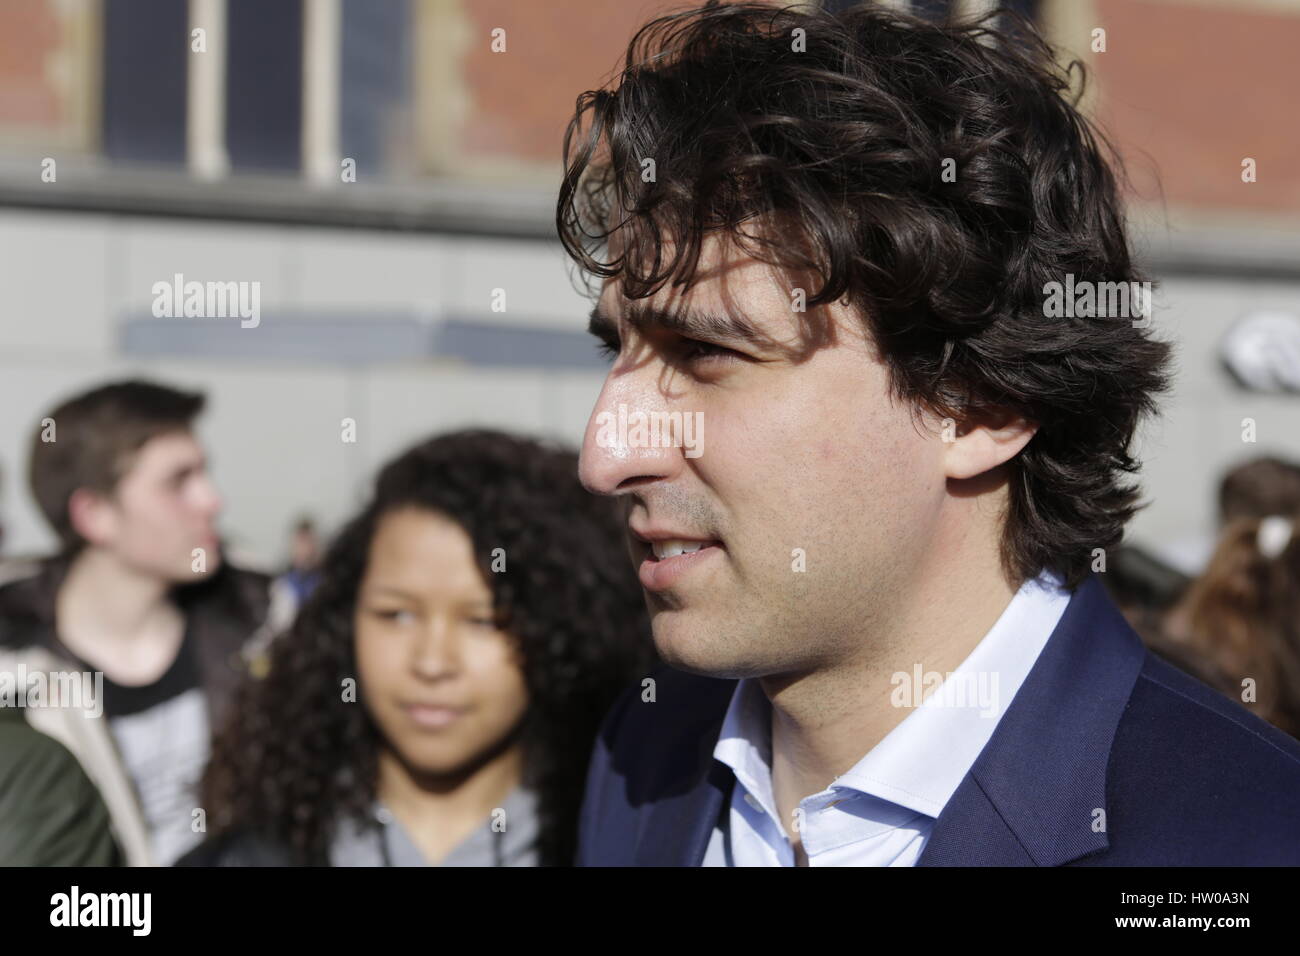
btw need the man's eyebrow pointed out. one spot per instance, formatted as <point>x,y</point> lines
<point>692,323</point>
<point>203,464</point>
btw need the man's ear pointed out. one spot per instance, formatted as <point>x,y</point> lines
<point>985,442</point>
<point>91,515</point>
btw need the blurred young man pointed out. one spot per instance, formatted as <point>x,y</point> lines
<point>837,243</point>
<point>140,591</point>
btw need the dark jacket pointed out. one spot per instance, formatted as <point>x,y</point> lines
<point>226,609</point>
<point>229,612</point>
<point>1185,776</point>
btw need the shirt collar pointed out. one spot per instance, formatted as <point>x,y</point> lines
<point>922,761</point>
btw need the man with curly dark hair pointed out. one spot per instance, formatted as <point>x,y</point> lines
<point>837,244</point>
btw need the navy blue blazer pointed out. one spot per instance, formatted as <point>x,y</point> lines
<point>1185,775</point>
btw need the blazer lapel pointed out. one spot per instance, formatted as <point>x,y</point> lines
<point>674,829</point>
<point>1037,793</point>
<point>971,832</point>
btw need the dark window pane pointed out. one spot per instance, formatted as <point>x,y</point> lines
<point>376,66</point>
<point>146,43</point>
<point>264,84</point>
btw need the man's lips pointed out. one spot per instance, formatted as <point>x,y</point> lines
<point>650,534</point>
<point>668,554</point>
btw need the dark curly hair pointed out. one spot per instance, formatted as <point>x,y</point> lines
<point>834,139</point>
<point>293,760</point>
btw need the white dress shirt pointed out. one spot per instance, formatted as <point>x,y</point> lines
<point>880,813</point>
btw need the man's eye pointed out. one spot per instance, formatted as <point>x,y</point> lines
<point>688,350</point>
<point>693,349</point>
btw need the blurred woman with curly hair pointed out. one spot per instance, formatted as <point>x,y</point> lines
<point>436,699</point>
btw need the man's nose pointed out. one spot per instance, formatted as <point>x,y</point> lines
<point>615,455</point>
<point>209,498</point>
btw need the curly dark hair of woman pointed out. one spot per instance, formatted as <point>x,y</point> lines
<point>293,760</point>
<point>833,131</point>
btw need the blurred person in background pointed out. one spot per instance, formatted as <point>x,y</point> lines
<point>289,590</point>
<point>1259,488</point>
<point>1145,585</point>
<point>303,573</point>
<point>1142,585</point>
<point>139,591</point>
<point>1239,621</point>
<point>436,700</point>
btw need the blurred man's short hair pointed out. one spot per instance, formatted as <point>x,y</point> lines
<point>96,437</point>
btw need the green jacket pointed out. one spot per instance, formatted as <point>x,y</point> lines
<point>232,615</point>
<point>50,812</point>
